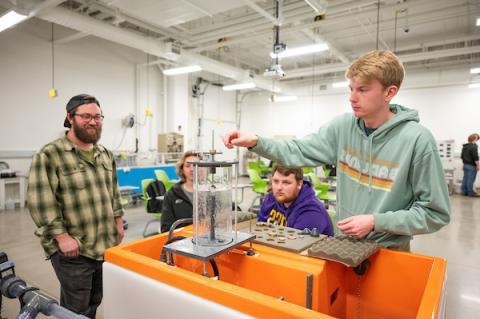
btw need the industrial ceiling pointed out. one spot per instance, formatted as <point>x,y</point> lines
<point>232,39</point>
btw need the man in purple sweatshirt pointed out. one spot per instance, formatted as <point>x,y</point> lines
<point>292,203</point>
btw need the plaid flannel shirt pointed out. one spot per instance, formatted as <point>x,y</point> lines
<point>69,194</point>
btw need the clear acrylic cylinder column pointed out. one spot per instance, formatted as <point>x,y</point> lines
<point>212,203</point>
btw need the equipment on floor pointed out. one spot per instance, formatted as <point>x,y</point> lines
<point>32,301</point>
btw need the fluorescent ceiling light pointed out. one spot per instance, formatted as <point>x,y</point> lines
<point>343,84</point>
<point>183,70</point>
<point>10,19</point>
<point>474,70</point>
<point>301,50</point>
<point>478,22</point>
<point>474,85</point>
<point>239,86</point>
<point>283,98</point>
<point>318,5</point>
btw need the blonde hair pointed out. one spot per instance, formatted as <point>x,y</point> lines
<point>383,66</point>
<point>181,163</point>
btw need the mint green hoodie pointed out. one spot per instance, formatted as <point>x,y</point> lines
<point>395,173</point>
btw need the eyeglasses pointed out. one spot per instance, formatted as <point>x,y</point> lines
<point>88,117</point>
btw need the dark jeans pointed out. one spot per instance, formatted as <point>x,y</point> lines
<point>80,283</point>
<point>469,175</point>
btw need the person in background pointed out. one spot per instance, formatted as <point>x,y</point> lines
<point>471,165</point>
<point>177,203</point>
<point>390,181</point>
<point>74,201</point>
<point>292,203</point>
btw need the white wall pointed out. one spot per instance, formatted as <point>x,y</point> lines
<point>298,118</point>
<point>450,112</point>
<point>29,118</point>
<point>218,116</point>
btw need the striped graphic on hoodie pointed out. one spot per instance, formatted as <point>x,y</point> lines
<point>375,173</point>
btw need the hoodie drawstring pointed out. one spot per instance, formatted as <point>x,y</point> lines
<point>370,142</point>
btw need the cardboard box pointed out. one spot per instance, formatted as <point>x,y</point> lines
<point>170,143</point>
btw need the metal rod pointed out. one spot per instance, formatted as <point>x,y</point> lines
<point>378,23</point>
<point>213,139</point>
<point>195,195</point>
<point>211,205</point>
<point>395,33</point>
<point>236,203</point>
<point>53,56</point>
<point>205,273</point>
<point>308,294</point>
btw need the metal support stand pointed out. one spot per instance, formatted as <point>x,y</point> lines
<point>250,251</point>
<point>186,247</point>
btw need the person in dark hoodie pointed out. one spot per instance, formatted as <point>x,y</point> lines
<point>292,203</point>
<point>390,181</point>
<point>470,165</point>
<point>177,203</point>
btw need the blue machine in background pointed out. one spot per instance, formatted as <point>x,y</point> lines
<point>133,176</point>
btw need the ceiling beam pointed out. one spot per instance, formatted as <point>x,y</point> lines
<point>320,39</point>
<point>197,7</point>
<point>73,37</point>
<point>119,14</point>
<point>292,16</point>
<point>249,31</point>
<point>260,10</point>
<point>89,25</point>
<point>405,58</point>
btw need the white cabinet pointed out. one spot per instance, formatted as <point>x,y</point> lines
<point>12,190</point>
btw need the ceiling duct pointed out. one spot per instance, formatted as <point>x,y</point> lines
<point>150,45</point>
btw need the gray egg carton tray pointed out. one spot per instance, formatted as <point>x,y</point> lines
<point>346,250</point>
<point>281,237</point>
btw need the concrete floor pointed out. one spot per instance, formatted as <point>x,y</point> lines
<point>459,242</point>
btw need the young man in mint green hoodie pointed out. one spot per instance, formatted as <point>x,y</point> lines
<point>390,183</point>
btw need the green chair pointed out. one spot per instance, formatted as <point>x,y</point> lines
<point>157,215</point>
<point>332,214</point>
<point>264,169</point>
<point>261,171</point>
<point>322,190</point>
<point>307,170</point>
<point>316,183</point>
<point>327,171</point>
<point>259,186</point>
<point>163,177</point>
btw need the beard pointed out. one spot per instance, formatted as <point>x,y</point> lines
<point>88,134</point>
<point>284,198</point>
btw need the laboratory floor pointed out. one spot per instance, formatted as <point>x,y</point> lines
<point>459,242</point>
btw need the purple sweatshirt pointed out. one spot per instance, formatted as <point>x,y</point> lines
<point>306,211</point>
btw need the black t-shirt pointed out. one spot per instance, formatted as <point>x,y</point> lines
<point>469,153</point>
<point>369,130</point>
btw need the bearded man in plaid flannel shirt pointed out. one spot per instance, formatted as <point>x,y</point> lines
<point>74,200</point>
